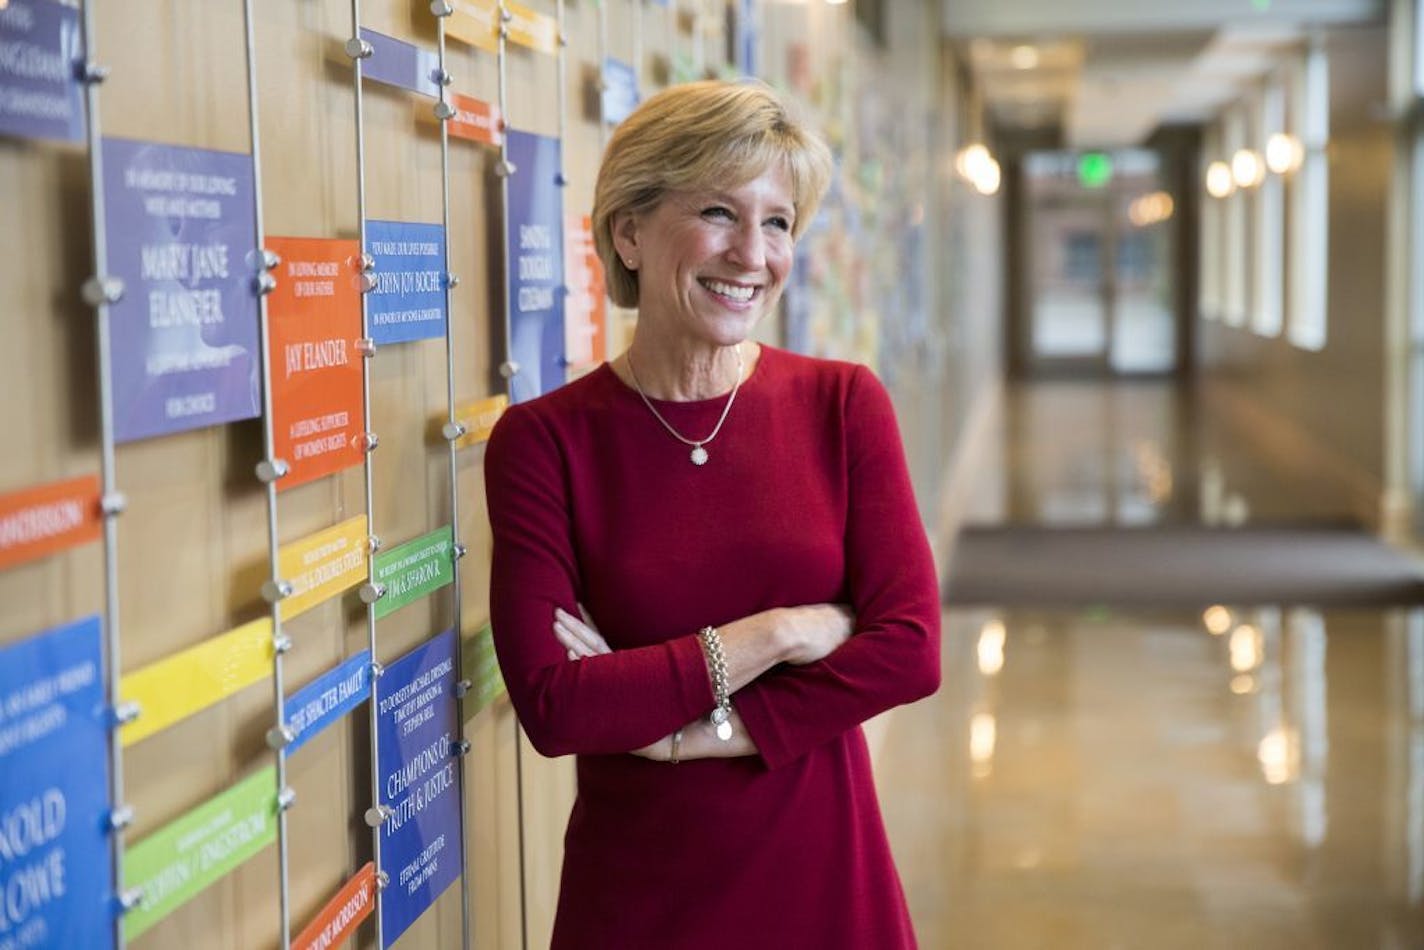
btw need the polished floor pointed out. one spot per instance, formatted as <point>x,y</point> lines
<point>1093,778</point>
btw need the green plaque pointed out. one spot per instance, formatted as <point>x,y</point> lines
<point>411,570</point>
<point>481,667</point>
<point>175,863</point>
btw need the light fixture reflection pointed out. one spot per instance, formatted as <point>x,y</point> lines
<point>1219,183</point>
<point>991,648</point>
<point>1150,209</point>
<point>1247,169</point>
<point>1279,755</point>
<point>1247,648</point>
<point>982,733</point>
<point>1023,57</point>
<point>1217,620</point>
<point>1243,685</point>
<point>1283,153</point>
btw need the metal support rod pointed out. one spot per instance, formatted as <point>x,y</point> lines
<point>637,6</point>
<point>443,112</point>
<point>91,76</point>
<point>602,76</point>
<point>507,362</point>
<point>263,263</point>
<point>672,28</point>
<point>355,47</point>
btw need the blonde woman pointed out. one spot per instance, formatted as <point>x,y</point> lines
<point>708,567</point>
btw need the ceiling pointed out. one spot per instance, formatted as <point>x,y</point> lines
<point>1106,73</point>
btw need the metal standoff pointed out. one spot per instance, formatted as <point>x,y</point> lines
<point>279,737</point>
<point>261,258</point>
<point>269,470</point>
<point>442,76</point>
<point>443,110</point>
<point>458,551</point>
<point>561,180</point>
<point>91,72</point>
<point>264,283</point>
<point>368,282</point>
<point>461,748</point>
<point>441,8</point>
<point>125,713</point>
<point>462,688</point>
<point>286,798</point>
<point>129,899</point>
<point>452,281</point>
<point>368,441</point>
<point>276,589</point>
<point>282,644</point>
<point>376,815</point>
<point>100,290</point>
<point>113,504</point>
<point>121,817</point>
<point>382,879</point>
<point>504,168</point>
<point>371,592</point>
<point>452,431</point>
<point>357,48</point>
<point>366,347</point>
<point>373,543</point>
<point>377,670</point>
<point>509,369</point>
<point>366,262</point>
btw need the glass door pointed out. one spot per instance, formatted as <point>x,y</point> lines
<point>1099,257</point>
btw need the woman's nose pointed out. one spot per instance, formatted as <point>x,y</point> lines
<point>748,248</point>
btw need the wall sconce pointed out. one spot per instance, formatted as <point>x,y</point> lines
<point>977,166</point>
<point>1283,153</point>
<point>1247,169</point>
<point>1219,183</point>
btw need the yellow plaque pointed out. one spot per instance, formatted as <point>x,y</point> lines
<point>535,30</point>
<point>175,688</point>
<point>475,22</point>
<point>323,565</point>
<point>478,418</point>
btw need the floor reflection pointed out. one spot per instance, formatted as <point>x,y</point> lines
<point>1234,778</point>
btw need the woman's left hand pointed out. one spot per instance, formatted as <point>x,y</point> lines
<point>579,636</point>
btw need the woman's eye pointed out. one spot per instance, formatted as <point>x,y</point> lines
<point>717,211</point>
<point>780,223</point>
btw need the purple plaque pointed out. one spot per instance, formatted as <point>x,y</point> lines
<point>402,64</point>
<point>535,229</point>
<point>40,48</point>
<point>183,339</point>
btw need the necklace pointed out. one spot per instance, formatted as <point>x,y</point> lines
<point>698,454</point>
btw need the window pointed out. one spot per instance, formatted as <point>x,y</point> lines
<point>1211,247</point>
<point>1310,201</point>
<point>1268,227</point>
<point>1081,257</point>
<point>1236,246</point>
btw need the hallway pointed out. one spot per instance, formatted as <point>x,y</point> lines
<point>1159,778</point>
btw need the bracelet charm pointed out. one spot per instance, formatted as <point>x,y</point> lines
<point>717,664</point>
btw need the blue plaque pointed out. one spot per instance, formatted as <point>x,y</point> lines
<point>181,230</point>
<point>620,90</point>
<point>40,50</point>
<point>398,63</point>
<point>408,302</point>
<point>327,698</point>
<point>55,875</point>
<point>535,229</point>
<point>417,726</point>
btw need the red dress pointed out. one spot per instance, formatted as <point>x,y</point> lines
<point>805,499</point>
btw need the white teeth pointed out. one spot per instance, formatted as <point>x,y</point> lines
<point>741,294</point>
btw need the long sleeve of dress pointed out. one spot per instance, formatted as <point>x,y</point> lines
<point>893,656</point>
<point>600,705</point>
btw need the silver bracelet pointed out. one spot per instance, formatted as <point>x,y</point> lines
<point>676,747</point>
<point>717,665</point>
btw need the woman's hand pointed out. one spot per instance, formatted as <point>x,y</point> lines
<point>579,636</point>
<point>699,741</point>
<point>813,632</point>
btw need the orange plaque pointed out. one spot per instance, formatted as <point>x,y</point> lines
<point>475,120</point>
<point>39,521</point>
<point>315,318</point>
<point>586,308</point>
<point>342,914</point>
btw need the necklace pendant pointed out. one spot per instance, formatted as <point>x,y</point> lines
<point>699,455</point>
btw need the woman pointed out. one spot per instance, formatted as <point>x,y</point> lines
<point>687,520</point>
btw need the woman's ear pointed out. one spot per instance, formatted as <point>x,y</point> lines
<point>625,238</point>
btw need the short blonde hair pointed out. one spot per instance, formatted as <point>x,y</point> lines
<point>697,133</point>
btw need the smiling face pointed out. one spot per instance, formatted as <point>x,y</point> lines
<point>711,262</point>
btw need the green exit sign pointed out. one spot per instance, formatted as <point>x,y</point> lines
<point>1095,169</point>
